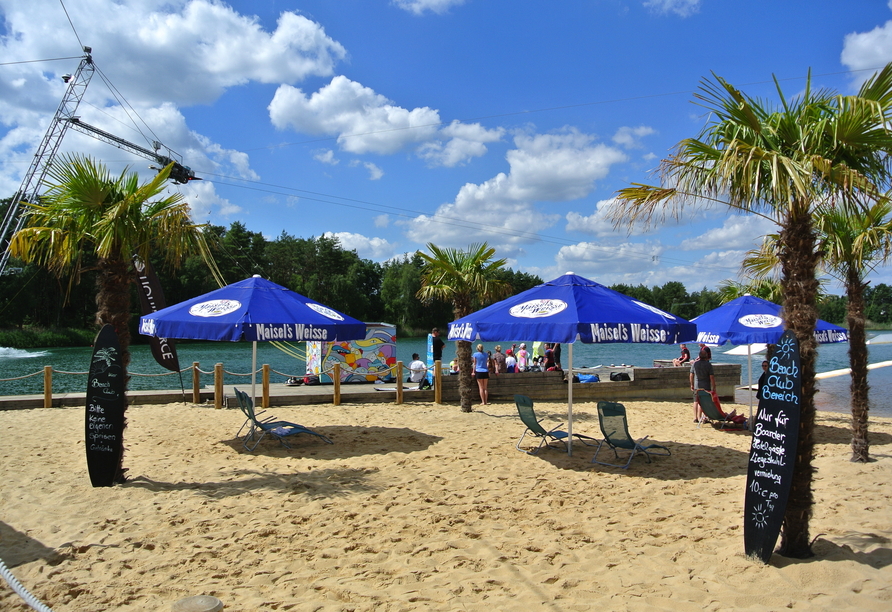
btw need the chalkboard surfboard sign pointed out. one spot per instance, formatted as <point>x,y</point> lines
<point>104,426</point>
<point>773,451</point>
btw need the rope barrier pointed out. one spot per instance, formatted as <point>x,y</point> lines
<point>22,591</point>
<point>21,377</point>
<point>77,373</point>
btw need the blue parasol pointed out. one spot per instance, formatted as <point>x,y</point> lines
<point>568,309</point>
<point>254,309</point>
<point>751,320</point>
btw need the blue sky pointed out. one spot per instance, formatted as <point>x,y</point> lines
<point>393,123</point>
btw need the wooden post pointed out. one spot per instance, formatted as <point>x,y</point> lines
<point>399,382</point>
<point>196,383</point>
<point>438,382</point>
<point>218,386</point>
<point>47,386</point>
<point>264,376</point>
<point>336,379</point>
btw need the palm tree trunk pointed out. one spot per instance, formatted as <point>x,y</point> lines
<point>465,367</point>
<point>799,263</point>
<point>113,301</point>
<point>858,363</point>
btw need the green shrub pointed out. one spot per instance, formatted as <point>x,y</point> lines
<point>36,337</point>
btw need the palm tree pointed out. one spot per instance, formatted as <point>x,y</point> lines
<point>780,163</point>
<point>851,246</point>
<point>86,210</point>
<point>467,280</point>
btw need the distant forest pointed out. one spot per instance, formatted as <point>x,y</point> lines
<point>322,269</point>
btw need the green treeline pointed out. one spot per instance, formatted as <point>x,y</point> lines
<point>34,312</point>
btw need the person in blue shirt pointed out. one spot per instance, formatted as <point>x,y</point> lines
<point>481,373</point>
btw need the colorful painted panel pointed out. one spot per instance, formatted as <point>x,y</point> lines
<point>367,360</point>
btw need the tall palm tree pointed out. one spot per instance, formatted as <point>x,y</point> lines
<point>851,247</point>
<point>850,244</point>
<point>780,163</point>
<point>88,210</point>
<point>467,280</point>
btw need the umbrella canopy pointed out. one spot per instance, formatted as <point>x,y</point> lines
<point>571,308</point>
<point>568,309</point>
<point>753,321</point>
<point>254,309</point>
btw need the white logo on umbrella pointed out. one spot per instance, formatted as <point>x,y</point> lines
<point>654,309</point>
<point>214,308</point>
<point>761,321</point>
<point>325,311</point>
<point>536,309</point>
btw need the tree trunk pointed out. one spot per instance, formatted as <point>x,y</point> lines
<point>858,363</point>
<point>113,308</point>
<point>799,263</point>
<point>466,385</point>
<point>113,300</point>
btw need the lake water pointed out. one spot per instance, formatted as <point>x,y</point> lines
<point>236,358</point>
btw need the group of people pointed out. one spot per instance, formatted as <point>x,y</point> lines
<point>514,359</point>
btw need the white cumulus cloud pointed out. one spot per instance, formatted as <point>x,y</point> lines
<point>377,249</point>
<point>502,210</point>
<point>867,50</point>
<point>682,8</point>
<point>420,6</point>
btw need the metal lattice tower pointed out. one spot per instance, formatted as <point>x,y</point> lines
<point>29,191</point>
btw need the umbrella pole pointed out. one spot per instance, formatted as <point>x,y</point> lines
<point>254,373</point>
<point>570,399</point>
<point>749,375</point>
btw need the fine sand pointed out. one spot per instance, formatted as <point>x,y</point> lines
<point>422,507</point>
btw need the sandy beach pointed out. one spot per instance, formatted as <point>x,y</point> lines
<point>422,507</point>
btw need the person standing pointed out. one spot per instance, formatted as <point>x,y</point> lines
<point>523,358</point>
<point>510,362</point>
<point>499,358</point>
<point>763,382</point>
<point>437,345</point>
<point>556,347</point>
<point>703,374</point>
<point>481,373</point>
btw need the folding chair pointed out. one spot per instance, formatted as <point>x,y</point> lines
<point>528,416</point>
<point>719,419</point>
<point>277,429</point>
<point>612,418</point>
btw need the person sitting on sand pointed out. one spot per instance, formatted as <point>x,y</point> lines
<point>683,358</point>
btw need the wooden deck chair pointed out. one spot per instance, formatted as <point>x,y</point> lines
<point>612,417</point>
<point>719,419</point>
<point>546,437</point>
<point>277,429</point>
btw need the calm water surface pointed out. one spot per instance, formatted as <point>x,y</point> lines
<point>236,358</point>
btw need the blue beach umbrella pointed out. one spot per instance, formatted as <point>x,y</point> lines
<point>751,320</point>
<point>254,309</point>
<point>568,309</point>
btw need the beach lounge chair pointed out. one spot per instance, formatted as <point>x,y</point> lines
<point>277,429</point>
<point>546,437</point>
<point>612,417</point>
<point>719,419</point>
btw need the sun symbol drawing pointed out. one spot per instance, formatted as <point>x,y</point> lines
<point>784,348</point>
<point>760,517</point>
